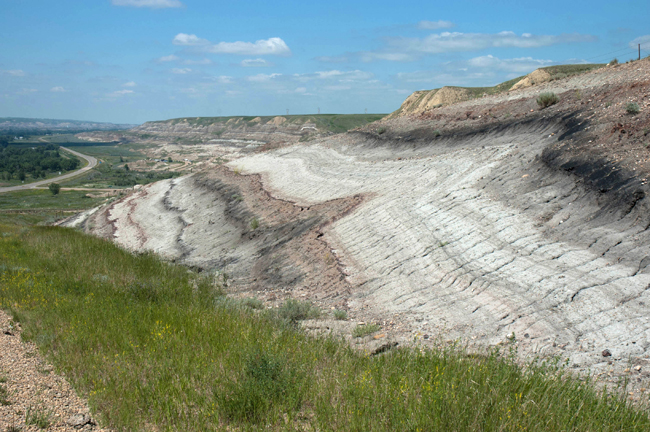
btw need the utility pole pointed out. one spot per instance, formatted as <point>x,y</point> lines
<point>287,111</point>
<point>318,110</point>
<point>366,110</point>
<point>639,51</point>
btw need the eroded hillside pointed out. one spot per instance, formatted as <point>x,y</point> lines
<point>489,221</point>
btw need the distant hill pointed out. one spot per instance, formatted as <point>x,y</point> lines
<point>30,126</point>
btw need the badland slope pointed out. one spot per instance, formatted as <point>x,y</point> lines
<point>490,221</point>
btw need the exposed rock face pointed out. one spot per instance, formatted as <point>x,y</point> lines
<point>537,76</point>
<point>422,101</point>
<point>513,224</point>
<point>256,129</point>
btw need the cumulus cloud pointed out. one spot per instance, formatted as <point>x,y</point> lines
<point>119,93</point>
<point>341,76</point>
<point>521,65</point>
<point>435,25</point>
<point>643,40</point>
<point>169,58</point>
<point>271,46</point>
<point>129,84</point>
<point>57,89</point>
<point>13,72</point>
<point>154,4</point>
<point>263,77</point>
<point>181,71</point>
<point>402,49</point>
<point>481,69</point>
<point>334,59</point>
<point>457,42</point>
<point>256,63</point>
<point>184,39</point>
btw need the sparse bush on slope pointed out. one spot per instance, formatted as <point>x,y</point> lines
<point>547,99</point>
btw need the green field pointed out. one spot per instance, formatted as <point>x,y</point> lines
<point>43,199</point>
<point>174,353</point>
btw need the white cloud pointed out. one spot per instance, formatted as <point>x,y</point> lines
<point>301,90</point>
<point>456,42</point>
<point>185,39</point>
<point>154,4</point>
<point>169,58</point>
<point>435,25</point>
<point>14,72</point>
<point>521,65</point>
<point>643,40</point>
<point>272,46</point>
<point>120,93</point>
<point>263,77</point>
<point>333,59</point>
<point>478,69</point>
<point>57,89</point>
<point>129,84</point>
<point>255,63</point>
<point>181,71</point>
<point>355,75</point>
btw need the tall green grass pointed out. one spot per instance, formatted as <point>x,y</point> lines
<point>156,347</point>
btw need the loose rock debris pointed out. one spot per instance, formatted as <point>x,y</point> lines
<point>31,389</point>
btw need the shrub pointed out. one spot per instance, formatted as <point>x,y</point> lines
<point>255,223</point>
<point>436,133</point>
<point>547,99</point>
<point>253,303</point>
<point>381,130</point>
<point>340,315</point>
<point>364,330</point>
<point>613,62</point>
<point>55,188</point>
<point>632,108</point>
<point>267,381</point>
<point>295,310</point>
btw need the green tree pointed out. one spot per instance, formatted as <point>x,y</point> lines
<point>55,188</point>
<point>21,175</point>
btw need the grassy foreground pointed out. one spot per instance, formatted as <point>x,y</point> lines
<point>156,347</point>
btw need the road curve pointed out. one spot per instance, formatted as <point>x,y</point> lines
<point>92,163</point>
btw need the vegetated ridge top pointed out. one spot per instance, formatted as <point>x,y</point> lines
<point>425,100</point>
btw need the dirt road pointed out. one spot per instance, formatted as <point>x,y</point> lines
<point>92,163</point>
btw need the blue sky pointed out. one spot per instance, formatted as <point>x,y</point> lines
<point>129,61</point>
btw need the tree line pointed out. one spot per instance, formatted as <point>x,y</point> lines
<point>38,161</point>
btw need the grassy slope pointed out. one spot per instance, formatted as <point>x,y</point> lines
<point>172,353</point>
